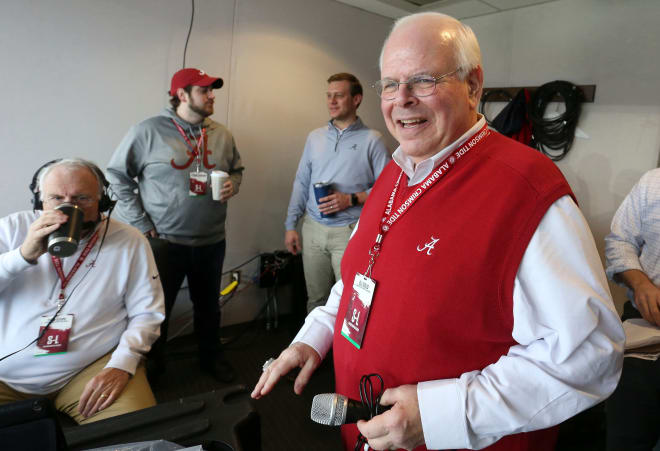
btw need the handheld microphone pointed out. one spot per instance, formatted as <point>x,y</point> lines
<point>63,242</point>
<point>333,409</point>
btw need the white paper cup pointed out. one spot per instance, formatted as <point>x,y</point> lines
<point>218,178</point>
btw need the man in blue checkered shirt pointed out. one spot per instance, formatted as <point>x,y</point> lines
<point>633,259</point>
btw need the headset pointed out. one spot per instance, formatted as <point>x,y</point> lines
<point>105,203</point>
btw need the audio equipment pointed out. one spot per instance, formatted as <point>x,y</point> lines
<point>105,203</point>
<point>333,409</point>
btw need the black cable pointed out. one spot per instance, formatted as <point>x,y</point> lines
<point>184,287</point>
<point>369,401</point>
<point>554,137</point>
<point>192,17</point>
<point>487,98</point>
<point>244,263</point>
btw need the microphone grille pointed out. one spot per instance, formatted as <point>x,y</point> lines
<point>329,409</point>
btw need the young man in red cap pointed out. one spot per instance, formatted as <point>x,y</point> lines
<point>161,173</point>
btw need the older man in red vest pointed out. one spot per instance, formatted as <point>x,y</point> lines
<point>472,284</point>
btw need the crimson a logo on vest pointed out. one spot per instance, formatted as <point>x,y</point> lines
<point>428,247</point>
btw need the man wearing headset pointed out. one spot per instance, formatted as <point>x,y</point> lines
<point>95,313</point>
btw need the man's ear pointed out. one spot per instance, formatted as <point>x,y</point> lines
<point>357,99</point>
<point>182,95</point>
<point>475,84</point>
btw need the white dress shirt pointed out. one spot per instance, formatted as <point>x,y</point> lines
<point>569,338</point>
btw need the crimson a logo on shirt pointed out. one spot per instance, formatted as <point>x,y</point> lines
<point>428,246</point>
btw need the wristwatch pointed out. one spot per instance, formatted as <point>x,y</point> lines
<point>354,200</point>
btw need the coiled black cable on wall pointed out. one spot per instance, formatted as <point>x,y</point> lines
<point>500,94</point>
<point>554,137</point>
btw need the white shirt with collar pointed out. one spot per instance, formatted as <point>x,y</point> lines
<point>568,355</point>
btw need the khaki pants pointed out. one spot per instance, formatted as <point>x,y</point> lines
<point>136,395</point>
<point>322,250</point>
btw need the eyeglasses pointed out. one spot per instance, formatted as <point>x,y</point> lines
<point>419,85</point>
<point>81,200</point>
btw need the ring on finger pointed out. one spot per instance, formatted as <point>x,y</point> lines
<point>267,363</point>
<point>103,395</point>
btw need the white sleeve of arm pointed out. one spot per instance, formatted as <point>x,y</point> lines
<point>319,326</point>
<point>145,306</point>
<point>13,231</point>
<point>569,349</point>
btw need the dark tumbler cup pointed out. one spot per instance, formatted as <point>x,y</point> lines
<point>63,242</point>
<point>321,190</point>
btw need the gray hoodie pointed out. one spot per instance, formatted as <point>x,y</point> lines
<point>152,194</point>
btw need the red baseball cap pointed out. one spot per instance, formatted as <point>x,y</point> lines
<point>194,77</point>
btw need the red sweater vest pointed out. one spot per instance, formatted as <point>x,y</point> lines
<point>445,274</point>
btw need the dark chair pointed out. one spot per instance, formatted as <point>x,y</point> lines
<point>221,419</point>
<point>30,425</point>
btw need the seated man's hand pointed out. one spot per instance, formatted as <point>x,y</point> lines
<point>298,355</point>
<point>102,390</point>
<point>647,299</point>
<point>399,427</point>
<point>35,242</point>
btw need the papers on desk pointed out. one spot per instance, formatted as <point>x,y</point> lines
<point>642,339</point>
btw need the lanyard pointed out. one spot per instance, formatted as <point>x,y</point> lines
<point>196,153</point>
<point>57,262</point>
<point>391,217</point>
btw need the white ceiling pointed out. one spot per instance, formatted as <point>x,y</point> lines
<point>460,9</point>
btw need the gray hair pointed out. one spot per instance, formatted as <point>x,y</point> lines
<point>71,163</point>
<point>467,54</point>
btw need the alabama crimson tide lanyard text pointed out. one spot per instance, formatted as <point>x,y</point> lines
<point>195,152</point>
<point>390,218</point>
<point>57,262</point>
